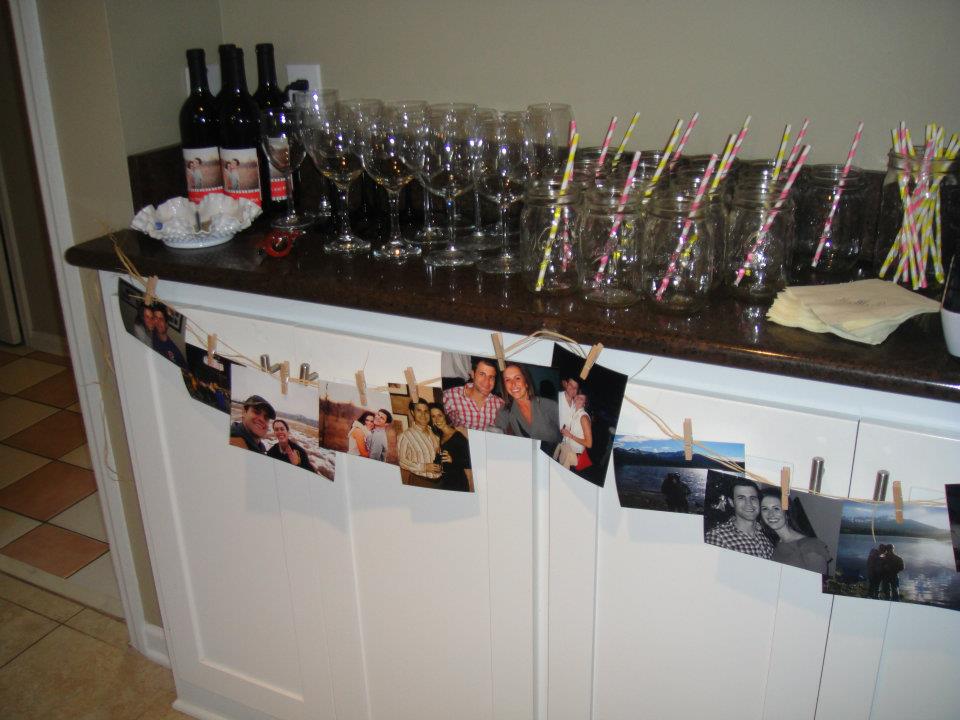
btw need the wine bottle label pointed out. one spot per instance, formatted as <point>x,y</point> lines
<point>241,173</point>
<point>278,185</point>
<point>202,167</point>
<point>279,153</point>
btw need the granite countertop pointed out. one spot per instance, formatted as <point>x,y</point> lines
<point>912,361</point>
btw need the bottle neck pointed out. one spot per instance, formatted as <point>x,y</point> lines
<point>234,77</point>
<point>266,69</point>
<point>197,66</point>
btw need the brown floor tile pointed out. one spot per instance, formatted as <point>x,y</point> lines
<point>6,357</point>
<point>49,357</point>
<point>19,629</point>
<point>36,599</point>
<point>94,624</point>
<point>59,390</point>
<point>24,372</point>
<point>55,550</point>
<point>52,437</point>
<point>48,490</point>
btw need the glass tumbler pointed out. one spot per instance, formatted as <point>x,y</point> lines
<point>550,255</point>
<point>609,236</point>
<point>843,243</point>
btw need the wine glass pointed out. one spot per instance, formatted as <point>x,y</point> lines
<point>316,98</point>
<point>447,170</point>
<point>548,129</point>
<point>502,177</point>
<point>386,141</point>
<point>282,144</point>
<point>330,138</point>
<point>479,241</point>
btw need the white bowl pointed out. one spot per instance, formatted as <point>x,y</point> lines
<point>179,223</point>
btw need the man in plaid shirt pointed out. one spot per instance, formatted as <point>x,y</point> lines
<point>742,531</point>
<point>474,405</point>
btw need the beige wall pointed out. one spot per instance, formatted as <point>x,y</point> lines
<point>837,62</point>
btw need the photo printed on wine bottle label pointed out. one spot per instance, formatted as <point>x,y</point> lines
<point>202,168</point>
<point>241,173</point>
<point>279,156</point>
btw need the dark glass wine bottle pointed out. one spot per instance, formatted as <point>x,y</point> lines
<point>225,51</point>
<point>240,153</point>
<point>268,96</point>
<point>200,132</point>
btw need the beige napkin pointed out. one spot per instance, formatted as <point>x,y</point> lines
<point>865,311</point>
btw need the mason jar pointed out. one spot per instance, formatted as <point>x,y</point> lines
<point>609,264</point>
<point>675,277</point>
<point>550,262</point>
<point>844,242</point>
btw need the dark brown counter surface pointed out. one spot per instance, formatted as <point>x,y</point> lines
<point>912,361</point>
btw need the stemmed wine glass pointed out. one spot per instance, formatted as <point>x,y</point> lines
<point>502,177</point>
<point>548,130</point>
<point>330,137</point>
<point>479,241</point>
<point>446,167</point>
<point>282,144</point>
<point>302,100</point>
<point>386,141</point>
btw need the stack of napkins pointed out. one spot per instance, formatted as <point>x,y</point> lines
<point>866,311</point>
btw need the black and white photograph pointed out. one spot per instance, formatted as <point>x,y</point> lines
<point>652,474</point>
<point>588,413</point>
<point>208,379</point>
<point>156,325</point>
<point>953,511</point>
<point>731,515</point>
<point>282,426</point>
<point>805,532</point>
<point>881,559</point>
<point>366,430</point>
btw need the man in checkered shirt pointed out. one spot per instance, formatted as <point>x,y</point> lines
<point>474,405</point>
<point>742,531</point>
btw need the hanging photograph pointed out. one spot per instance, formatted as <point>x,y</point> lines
<point>520,401</point>
<point>284,427</point>
<point>879,558</point>
<point>156,325</point>
<point>805,533</point>
<point>208,379</point>
<point>953,510</point>
<point>588,413</point>
<point>731,515</point>
<point>346,425</point>
<point>653,475</point>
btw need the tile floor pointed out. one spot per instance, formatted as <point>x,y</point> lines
<point>51,526</point>
<point>60,660</point>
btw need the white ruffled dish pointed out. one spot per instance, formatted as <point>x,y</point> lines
<point>179,223</point>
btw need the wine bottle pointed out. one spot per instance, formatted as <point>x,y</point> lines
<point>269,96</point>
<point>225,51</point>
<point>200,132</point>
<point>240,153</point>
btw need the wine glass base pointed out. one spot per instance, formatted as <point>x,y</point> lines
<point>501,265</point>
<point>398,252</point>
<point>292,222</point>
<point>427,236</point>
<point>450,258</point>
<point>480,243</point>
<point>347,245</point>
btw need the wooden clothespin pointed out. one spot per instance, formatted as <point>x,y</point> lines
<point>361,387</point>
<point>898,502</point>
<point>591,359</point>
<point>785,487</point>
<point>149,295</point>
<point>284,376</point>
<point>411,384</point>
<point>687,439</point>
<point>211,347</point>
<point>498,350</point>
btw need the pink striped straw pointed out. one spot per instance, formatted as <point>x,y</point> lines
<point>797,145</point>
<point>836,196</point>
<point>573,130</point>
<point>624,196</point>
<point>688,223</point>
<point>606,144</point>
<point>774,211</point>
<point>683,140</point>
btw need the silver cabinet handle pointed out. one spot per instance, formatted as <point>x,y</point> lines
<point>880,488</point>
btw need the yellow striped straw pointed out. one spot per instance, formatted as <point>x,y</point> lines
<point>724,163</point>
<point>778,162</point>
<point>626,139</point>
<point>555,224</point>
<point>667,152</point>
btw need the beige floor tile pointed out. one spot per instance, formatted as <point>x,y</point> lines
<point>59,390</point>
<point>162,709</point>
<point>70,675</point>
<point>19,629</point>
<point>40,601</point>
<point>62,360</point>
<point>101,627</point>
<point>15,464</point>
<point>80,456</point>
<point>24,372</point>
<point>20,350</point>
<point>75,408</point>
<point>85,518</point>
<point>13,525</point>
<point>17,414</point>
<point>98,576</point>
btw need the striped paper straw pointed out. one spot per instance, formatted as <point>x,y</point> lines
<point>626,139</point>
<point>774,211</point>
<point>667,151</point>
<point>797,145</point>
<point>725,160</point>
<point>828,225</point>
<point>688,223</point>
<point>778,161</point>
<point>555,224</point>
<point>606,144</point>
<point>621,204</point>
<point>683,140</point>
<point>573,130</point>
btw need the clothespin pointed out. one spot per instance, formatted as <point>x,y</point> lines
<point>361,387</point>
<point>591,359</point>
<point>898,502</point>
<point>411,384</point>
<point>498,349</point>
<point>211,347</point>
<point>785,487</point>
<point>284,376</point>
<point>687,439</point>
<point>149,295</point>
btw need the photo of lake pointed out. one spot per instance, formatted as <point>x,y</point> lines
<point>653,475</point>
<point>922,542</point>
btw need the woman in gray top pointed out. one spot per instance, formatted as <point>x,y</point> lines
<point>793,547</point>
<point>526,414</point>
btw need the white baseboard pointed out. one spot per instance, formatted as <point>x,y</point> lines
<point>47,342</point>
<point>205,705</point>
<point>155,644</point>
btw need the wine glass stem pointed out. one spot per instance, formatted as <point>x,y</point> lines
<point>344,209</point>
<point>291,211</point>
<point>393,199</point>
<point>427,221</point>
<point>477,220</point>
<point>502,228</point>
<point>452,221</point>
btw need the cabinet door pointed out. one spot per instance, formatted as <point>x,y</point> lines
<point>888,660</point>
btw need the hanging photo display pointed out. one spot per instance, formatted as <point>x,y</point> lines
<point>652,474</point>
<point>912,561</point>
<point>731,516</point>
<point>805,533</point>
<point>155,325</point>
<point>207,379</point>
<point>282,426</point>
<point>365,429</point>
<point>953,511</point>
<point>588,413</point>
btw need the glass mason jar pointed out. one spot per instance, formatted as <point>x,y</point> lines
<point>903,172</point>
<point>550,263</point>
<point>843,244</point>
<point>766,271</point>
<point>609,264</point>
<point>687,180</point>
<point>677,278</point>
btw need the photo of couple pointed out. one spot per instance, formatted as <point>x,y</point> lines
<point>349,426</point>
<point>155,325</point>
<point>207,381</point>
